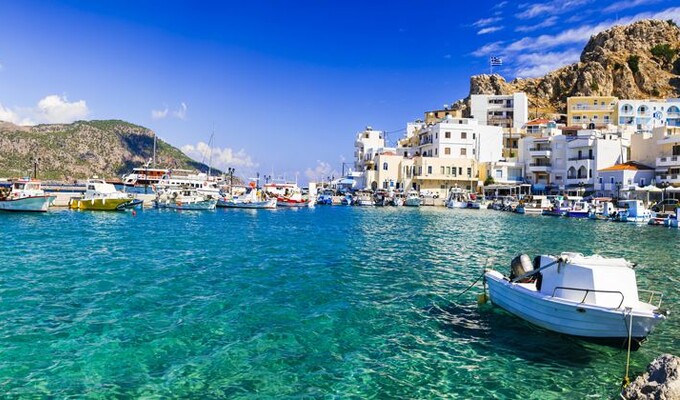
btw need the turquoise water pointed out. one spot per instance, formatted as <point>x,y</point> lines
<point>327,302</point>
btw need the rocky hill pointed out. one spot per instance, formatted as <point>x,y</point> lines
<point>640,60</point>
<point>82,149</point>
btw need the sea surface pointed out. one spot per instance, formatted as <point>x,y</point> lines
<point>330,302</point>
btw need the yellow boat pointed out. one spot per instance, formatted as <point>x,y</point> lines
<point>101,196</point>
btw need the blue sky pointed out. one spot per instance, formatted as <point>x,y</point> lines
<point>286,85</point>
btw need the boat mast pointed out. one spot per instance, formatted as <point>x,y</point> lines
<point>154,149</point>
<point>210,144</point>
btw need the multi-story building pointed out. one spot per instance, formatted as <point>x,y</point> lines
<point>366,144</point>
<point>506,111</point>
<point>445,154</point>
<point>434,116</point>
<point>556,162</point>
<point>586,110</point>
<point>623,178</point>
<point>645,115</point>
<point>660,148</point>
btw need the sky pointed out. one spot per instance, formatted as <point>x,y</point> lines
<point>284,85</point>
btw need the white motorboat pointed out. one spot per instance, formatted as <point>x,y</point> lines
<point>184,199</point>
<point>591,297</point>
<point>364,199</point>
<point>25,195</point>
<point>457,198</point>
<point>633,211</point>
<point>413,199</point>
<point>252,199</point>
<point>102,196</point>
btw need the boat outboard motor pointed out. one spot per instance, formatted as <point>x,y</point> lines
<point>519,266</point>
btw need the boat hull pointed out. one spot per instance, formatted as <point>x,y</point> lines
<point>291,203</point>
<point>27,204</point>
<point>412,203</point>
<point>577,214</point>
<point>456,204</point>
<point>188,206</point>
<point>99,204</point>
<point>569,317</point>
<point>269,204</point>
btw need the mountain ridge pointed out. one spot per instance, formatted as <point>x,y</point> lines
<point>78,150</point>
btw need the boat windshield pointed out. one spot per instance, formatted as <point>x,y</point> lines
<point>19,186</point>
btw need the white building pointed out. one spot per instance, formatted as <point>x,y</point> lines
<point>645,115</point>
<point>506,111</point>
<point>557,162</point>
<point>660,148</point>
<point>621,178</point>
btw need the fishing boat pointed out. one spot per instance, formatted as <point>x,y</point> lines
<point>325,197</point>
<point>364,199</point>
<point>590,297</point>
<point>203,183</point>
<point>347,199</point>
<point>184,198</point>
<point>25,195</point>
<point>287,194</point>
<point>457,198</point>
<point>580,209</point>
<point>632,211</point>
<point>533,205</point>
<point>602,208</point>
<point>413,199</point>
<point>252,199</point>
<point>102,196</point>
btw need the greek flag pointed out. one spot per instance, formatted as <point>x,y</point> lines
<point>495,61</point>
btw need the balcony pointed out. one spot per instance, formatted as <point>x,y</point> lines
<point>669,161</point>
<point>588,157</point>
<point>541,153</point>
<point>591,107</point>
<point>573,181</point>
<point>540,167</point>
<point>670,178</point>
<point>670,139</point>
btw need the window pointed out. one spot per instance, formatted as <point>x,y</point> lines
<point>590,173</point>
<point>463,135</point>
<point>442,170</point>
<point>447,150</point>
<point>463,152</point>
<point>473,152</point>
<point>447,135</point>
<point>611,180</point>
<point>590,153</point>
<point>499,173</point>
<point>469,172</point>
<point>385,166</point>
<point>448,170</point>
<point>474,136</point>
<point>453,171</point>
<point>460,170</point>
<point>436,135</point>
<point>642,182</point>
<point>429,169</point>
<point>676,150</point>
<point>600,180</point>
<point>435,151</point>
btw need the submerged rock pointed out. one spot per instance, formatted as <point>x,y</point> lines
<point>660,382</point>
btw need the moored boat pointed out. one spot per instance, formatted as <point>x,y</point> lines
<point>252,199</point>
<point>102,196</point>
<point>25,195</point>
<point>184,198</point>
<point>590,297</point>
<point>413,199</point>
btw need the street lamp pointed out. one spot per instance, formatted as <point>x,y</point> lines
<point>257,181</point>
<point>664,185</point>
<point>580,188</point>
<point>231,171</point>
<point>36,160</point>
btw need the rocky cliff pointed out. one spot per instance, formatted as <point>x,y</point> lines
<point>82,149</point>
<point>640,60</point>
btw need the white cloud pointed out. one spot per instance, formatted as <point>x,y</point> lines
<point>545,24</point>
<point>532,56</point>
<point>490,29</point>
<point>486,22</point>
<point>321,172</point>
<point>529,65</point>
<point>221,158</point>
<point>624,5</point>
<point>159,114</point>
<point>499,5</point>
<point>57,109</point>
<point>553,7</point>
<point>487,49</point>
<point>181,112</point>
<point>52,109</point>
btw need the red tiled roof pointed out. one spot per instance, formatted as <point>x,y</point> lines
<point>628,166</point>
<point>538,121</point>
